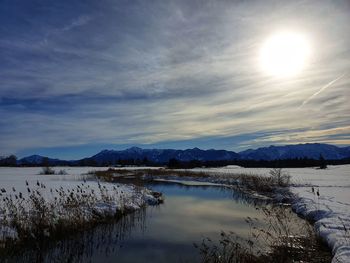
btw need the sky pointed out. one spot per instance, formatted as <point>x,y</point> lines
<point>77,77</point>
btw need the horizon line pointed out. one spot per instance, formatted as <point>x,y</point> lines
<point>160,148</point>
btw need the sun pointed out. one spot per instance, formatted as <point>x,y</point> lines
<point>285,54</point>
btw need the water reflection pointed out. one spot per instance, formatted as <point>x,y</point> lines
<point>165,233</point>
<point>209,191</point>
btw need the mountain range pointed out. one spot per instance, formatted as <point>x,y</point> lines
<point>161,156</point>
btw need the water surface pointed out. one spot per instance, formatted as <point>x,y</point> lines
<point>164,233</point>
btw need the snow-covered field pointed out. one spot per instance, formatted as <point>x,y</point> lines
<point>18,184</point>
<point>330,209</point>
<point>18,177</point>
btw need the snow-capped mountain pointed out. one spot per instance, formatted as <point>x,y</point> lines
<point>308,150</point>
<point>34,159</point>
<point>162,156</point>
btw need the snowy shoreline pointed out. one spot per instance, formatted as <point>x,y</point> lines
<point>60,201</point>
<point>332,224</point>
<point>329,211</point>
<point>322,196</point>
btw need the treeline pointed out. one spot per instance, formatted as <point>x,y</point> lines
<point>8,161</point>
<point>174,163</point>
<point>119,162</point>
<point>283,163</point>
<point>11,161</point>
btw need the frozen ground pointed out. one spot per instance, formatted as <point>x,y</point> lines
<point>18,183</point>
<point>322,196</point>
<point>18,178</point>
<point>330,209</point>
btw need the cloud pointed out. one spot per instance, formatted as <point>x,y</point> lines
<point>323,88</point>
<point>143,73</point>
<point>80,21</point>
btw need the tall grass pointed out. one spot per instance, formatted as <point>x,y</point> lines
<point>281,239</point>
<point>103,240</point>
<point>47,170</point>
<point>262,184</point>
<point>32,218</point>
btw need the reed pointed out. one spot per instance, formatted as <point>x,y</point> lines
<point>31,217</point>
<point>280,239</point>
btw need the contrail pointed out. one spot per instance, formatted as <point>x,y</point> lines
<point>322,89</point>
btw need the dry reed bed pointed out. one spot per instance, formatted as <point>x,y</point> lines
<point>32,216</point>
<point>254,185</point>
<point>282,239</point>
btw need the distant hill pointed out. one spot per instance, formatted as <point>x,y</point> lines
<point>308,150</point>
<point>40,160</point>
<point>162,156</point>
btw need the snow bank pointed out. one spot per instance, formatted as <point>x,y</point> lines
<point>330,210</point>
<point>20,188</point>
<point>332,220</point>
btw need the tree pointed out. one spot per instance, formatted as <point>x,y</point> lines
<point>323,163</point>
<point>145,161</point>
<point>8,161</point>
<point>12,159</point>
<point>45,162</point>
<point>173,163</point>
<point>280,177</point>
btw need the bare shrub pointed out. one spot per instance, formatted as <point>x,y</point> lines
<point>280,240</point>
<point>111,174</point>
<point>262,184</point>
<point>62,172</point>
<point>47,170</point>
<point>280,177</point>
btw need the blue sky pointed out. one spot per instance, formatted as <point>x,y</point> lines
<point>80,76</point>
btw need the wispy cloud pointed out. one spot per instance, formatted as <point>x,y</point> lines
<point>323,88</point>
<point>141,73</point>
<point>80,21</point>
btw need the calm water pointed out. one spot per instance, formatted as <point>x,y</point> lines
<point>164,233</point>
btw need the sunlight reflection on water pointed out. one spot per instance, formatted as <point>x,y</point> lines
<point>164,233</point>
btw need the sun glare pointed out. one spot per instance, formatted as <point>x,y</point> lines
<point>284,54</point>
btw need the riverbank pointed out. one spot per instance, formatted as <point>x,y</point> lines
<point>327,212</point>
<point>35,207</point>
<point>321,196</point>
